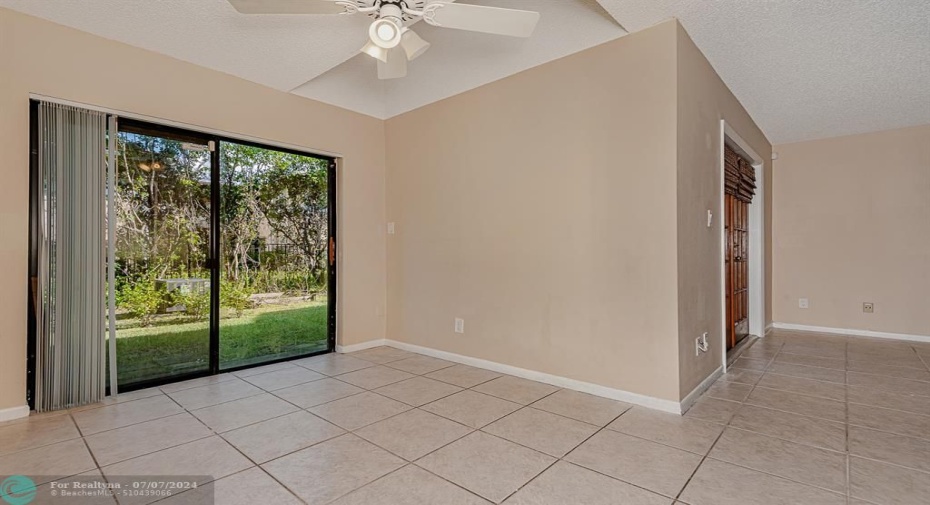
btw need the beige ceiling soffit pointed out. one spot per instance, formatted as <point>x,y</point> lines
<point>606,13</point>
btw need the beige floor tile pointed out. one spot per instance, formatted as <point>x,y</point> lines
<point>762,353</point>
<point>274,367</point>
<point>214,394</point>
<point>543,431</point>
<point>719,483</point>
<point>418,391</point>
<point>488,466</point>
<point>895,385</point>
<point>906,360</point>
<point>413,434</point>
<point>741,375</point>
<point>713,410</point>
<point>203,460</point>
<point>46,463</point>
<point>124,414</point>
<point>333,364</point>
<point>287,377</point>
<point>318,392</point>
<point>463,376</point>
<point>830,351</point>
<point>131,441</point>
<point>892,421</point>
<point>793,427</point>
<point>809,387</point>
<point>238,413</point>
<point>879,398</point>
<point>195,383</point>
<point>374,377</point>
<point>410,485</point>
<point>890,371</point>
<point>582,407</point>
<point>798,404</point>
<point>247,487</point>
<point>809,372</point>
<point>382,354</point>
<point>890,448</point>
<point>515,389</point>
<point>801,463</point>
<point>564,483</point>
<point>125,397</point>
<point>804,359</point>
<point>883,483</point>
<point>36,432</point>
<point>471,408</point>
<point>653,466</point>
<point>359,410</point>
<point>684,433</point>
<point>757,365</point>
<point>724,390</point>
<point>334,468</point>
<point>419,365</point>
<point>276,437</point>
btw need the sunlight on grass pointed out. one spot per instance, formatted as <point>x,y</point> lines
<point>173,345</point>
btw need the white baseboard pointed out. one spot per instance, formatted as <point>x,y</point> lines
<point>848,331</point>
<point>768,329</point>
<point>361,346</point>
<point>14,413</point>
<point>555,380</point>
<point>699,390</point>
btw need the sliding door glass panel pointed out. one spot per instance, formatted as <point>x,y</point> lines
<point>162,207</point>
<point>274,213</point>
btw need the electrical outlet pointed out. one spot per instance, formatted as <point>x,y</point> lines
<point>868,307</point>
<point>804,303</point>
<point>459,325</point>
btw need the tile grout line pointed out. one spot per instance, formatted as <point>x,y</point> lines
<point>726,425</point>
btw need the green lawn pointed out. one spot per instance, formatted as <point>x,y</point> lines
<point>173,345</point>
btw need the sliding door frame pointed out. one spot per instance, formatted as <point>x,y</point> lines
<point>213,263</point>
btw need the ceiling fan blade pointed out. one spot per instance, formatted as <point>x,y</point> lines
<point>479,18</point>
<point>396,65</point>
<point>288,6</point>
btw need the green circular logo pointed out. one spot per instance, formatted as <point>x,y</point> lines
<point>18,490</point>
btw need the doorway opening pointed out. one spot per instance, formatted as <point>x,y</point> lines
<point>742,242</point>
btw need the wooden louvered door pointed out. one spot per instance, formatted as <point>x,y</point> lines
<point>739,187</point>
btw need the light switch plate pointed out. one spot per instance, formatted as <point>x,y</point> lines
<point>804,303</point>
<point>390,228</point>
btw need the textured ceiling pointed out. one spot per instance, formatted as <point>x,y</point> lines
<point>803,68</point>
<point>807,69</point>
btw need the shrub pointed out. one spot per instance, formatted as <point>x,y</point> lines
<point>141,299</point>
<point>196,302</point>
<point>235,296</point>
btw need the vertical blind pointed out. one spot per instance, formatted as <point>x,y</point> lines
<point>71,281</point>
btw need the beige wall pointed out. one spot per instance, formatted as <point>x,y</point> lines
<point>541,209</point>
<point>703,100</point>
<point>852,225</point>
<point>45,58</point>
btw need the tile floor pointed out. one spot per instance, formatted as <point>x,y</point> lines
<point>800,418</point>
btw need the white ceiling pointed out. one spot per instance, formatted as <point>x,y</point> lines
<point>804,69</point>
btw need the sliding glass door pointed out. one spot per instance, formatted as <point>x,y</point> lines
<point>275,254</point>
<point>225,256</point>
<point>162,205</point>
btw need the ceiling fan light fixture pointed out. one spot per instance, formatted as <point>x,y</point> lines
<point>375,51</point>
<point>385,33</point>
<point>413,44</point>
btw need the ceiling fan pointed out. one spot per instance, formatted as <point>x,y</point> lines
<point>391,41</point>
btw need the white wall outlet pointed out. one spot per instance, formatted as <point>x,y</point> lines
<point>459,325</point>
<point>868,307</point>
<point>710,218</point>
<point>804,303</point>
<point>701,345</point>
<point>390,228</point>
